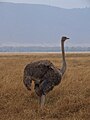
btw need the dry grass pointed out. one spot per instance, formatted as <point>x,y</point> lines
<point>68,101</point>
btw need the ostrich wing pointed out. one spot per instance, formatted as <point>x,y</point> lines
<point>38,69</point>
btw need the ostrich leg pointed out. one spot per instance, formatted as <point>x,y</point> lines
<point>45,87</point>
<point>42,101</point>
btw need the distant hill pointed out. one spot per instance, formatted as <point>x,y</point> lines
<point>28,24</point>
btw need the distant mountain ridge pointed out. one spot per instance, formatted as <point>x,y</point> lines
<point>26,24</point>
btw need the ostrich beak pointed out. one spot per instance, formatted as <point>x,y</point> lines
<point>68,38</point>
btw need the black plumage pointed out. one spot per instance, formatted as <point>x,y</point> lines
<point>43,73</point>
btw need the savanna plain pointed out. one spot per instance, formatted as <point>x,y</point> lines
<point>70,100</point>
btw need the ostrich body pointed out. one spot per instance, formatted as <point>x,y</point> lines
<point>44,74</point>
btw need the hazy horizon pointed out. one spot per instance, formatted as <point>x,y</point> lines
<point>42,25</point>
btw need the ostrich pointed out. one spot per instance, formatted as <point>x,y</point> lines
<point>44,74</point>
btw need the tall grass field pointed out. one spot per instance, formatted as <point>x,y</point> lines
<point>70,100</point>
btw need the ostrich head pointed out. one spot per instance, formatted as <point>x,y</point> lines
<point>64,38</point>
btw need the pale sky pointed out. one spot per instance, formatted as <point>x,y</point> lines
<point>57,3</point>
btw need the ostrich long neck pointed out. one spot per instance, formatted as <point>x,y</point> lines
<point>63,69</point>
